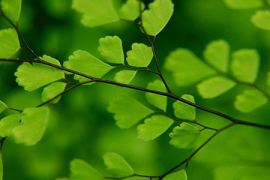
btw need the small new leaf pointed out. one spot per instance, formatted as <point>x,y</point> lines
<point>8,123</point>
<point>125,76</point>
<point>140,55</point>
<point>244,4</point>
<point>117,165</point>
<point>12,9</point>
<point>261,19</point>
<point>131,10</point>
<point>179,175</point>
<point>9,43</point>
<point>157,16</point>
<point>128,111</point>
<point>184,136</point>
<point>153,127</point>
<point>183,110</point>
<point>3,106</point>
<point>53,90</point>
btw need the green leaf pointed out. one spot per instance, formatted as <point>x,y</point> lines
<point>32,127</point>
<point>250,100</point>
<point>244,4</point>
<point>3,106</point>
<point>215,86</point>
<point>140,55</point>
<point>130,10</point>
<point>111,49</point>
<point>53,90</point>
<point>153,127</point>
<point>157,16</point>
<point>261,19</point>
<point>117,165</point>
<point>179,175</point>
<point>81,170</point>
<point>125,76</point>
<point>184,136</point>
<point>12,9</point>
<point>245,65</point>
<point>1,165</point>
<point>187,69</point>
<point>8,123</point>
<point>32,77</point>
<point>155,99</point>
<point>267,81</point>
<point>9,43</point>
<point>96,13</point>
<point>217,54</point>
<point>183,110</point>
<point>86,63</point>
<point>128,111</point>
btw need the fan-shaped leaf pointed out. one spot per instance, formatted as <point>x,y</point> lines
<point>244,4</point>
<point>32,127</point>
<point>179,175</point>
<point>130,10</point>
<point>9,43</point>
<point>184,136</point>
<point>96,13</point>
<point>187,69</point>
<point>53,90</point>
<point>32,77</point>
<point>157,16</point>
<point>153,127</point>
<point>128,111</point>
<point>12,9</point>
<point>250,100</point>
<point>217,54</point>
<point>8,123</point>
<point>125,76</point>
<point>215,86</point>
<point>261,19</point>
<point>140,55</point>
<point>111,49</point>
<point>245,65</point>
<point>117,165</point>
<point>183,110</point>
<point>3,106</point>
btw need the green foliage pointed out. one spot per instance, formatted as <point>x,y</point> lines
<point>53,90</point>
<point>131,10</point>
<point>183,110</point>
<point>140,55</point>
<point>117,165</point>
<point>244,4</point>
<point>261,19</point>
<point>9,43</point>
<point>268,79</point>
<point>8,123</point>
<point>179,175</point>
<point>12,9</point>
<point>125,76</point>
<point>3,106</point>
<point>1,165</point>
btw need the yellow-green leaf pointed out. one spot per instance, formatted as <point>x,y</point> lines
<point>130,10</point>
<point>178,175</point>
<point>261,19</point>
<point>12,9</point>
<point>140,55</point>
<point>8,123</point>
<point>183,110</point>
<point>244,4</point>
<point>9,43</point>
<point>125,76</point>
<point>53,90</point>
<point>3,106</point>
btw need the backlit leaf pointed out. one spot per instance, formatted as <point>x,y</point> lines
<point>140,55</point>
<point>215,86</point>
<point>217,54</point>
<point>155,99</point>
<point>245,65</point>
<point>157,16</point>
<point>250,100</point>
<point>130,10</point>
<point>32,127</point>
<point>9,43</point>
<point>125,76</point>
<point>8,123</point>
<point>52,90</point>
<point>111,49</point>
<point>12,9</point>
<point>117,165</point>
<point>178,175</point>
<point>184,136</point>
<point>153,127</point>
<point>187,69</point>
<point>3,106</point>
<point>128,111</point>
<point>183,110</point>
<point>32,77</point>
<point>244,4</point>
<point>96,13</point>
<point>261,19</point>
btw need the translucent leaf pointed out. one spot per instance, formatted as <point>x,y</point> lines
<point>86,63</point>
<point>125,76</point>
<point>179,175</point>
<point>12,9</point>
<point>96,13</point>
<point>184,136</point>
<point>53,90</point>
<point>81,170</point>
<point>130,10</point>
<point>140,55</point>
<point>32,127</point>
<point>3,106</point>
<point>32,77</point>
<point>9,43</point>
<point>215,86</point>
<point>128,111</point>
<point>261,19</point>
<point>217,54</point>
<point>183,110</point>
<point>153,127</point>
<point>111,49</point>
<point>187,69</point>
<point>157,16</point>
<point>154,99</point>
<point>250,100</point>
<point>244,4</point>
<point>117,165</point>
<point>8,123</point>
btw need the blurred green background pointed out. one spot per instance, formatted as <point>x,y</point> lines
<point>81,127</point>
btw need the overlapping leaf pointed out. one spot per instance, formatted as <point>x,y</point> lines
<point>53,90</point>
<point>12,9</point>
<point>140,55</point>
<point>9,43</point>
<point>130,10</point>
<point>125,76</point>
<point>178,175</point>
<point>8,123</point>
<point>183,110</point>
<point>244,4</point>
<point>261,19</point>
<point>3,106</point>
